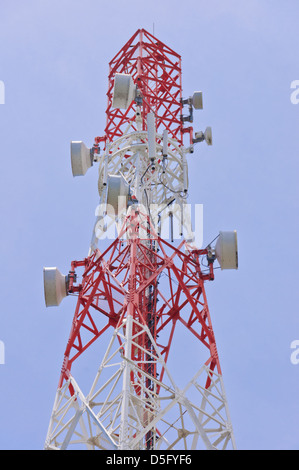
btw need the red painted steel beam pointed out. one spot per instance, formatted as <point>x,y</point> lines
<point>184,302</point>
<point>156,70</point>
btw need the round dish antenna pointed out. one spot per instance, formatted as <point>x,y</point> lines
<point>55,286</point>
<point>206,135</point>
<point>124,91</point>
<point>81,158</point>
<point>118,192</point>
<point>197,100</point>
<point>226,250</point>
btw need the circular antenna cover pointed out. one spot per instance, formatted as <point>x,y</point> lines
<point>80,158</point>
<point>117,195</point>
<point>123,91</point>
<point>226,250</point>
<point>197,100</point>
<point>208,135</point>
<point>54,287</point>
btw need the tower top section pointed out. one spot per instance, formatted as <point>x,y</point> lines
<point>144,154</point>
<point>156,73</point>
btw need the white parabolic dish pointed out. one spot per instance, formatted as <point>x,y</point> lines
<point>226,250</point>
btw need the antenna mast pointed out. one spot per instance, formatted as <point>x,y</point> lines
<point>142,299</point>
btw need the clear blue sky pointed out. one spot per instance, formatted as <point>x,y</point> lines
<point>54,63</point>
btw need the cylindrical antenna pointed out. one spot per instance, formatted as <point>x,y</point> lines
<point>185,174</point>
<point>171,225</point>
<point>105,176</point>
<point>151,135</point>
<point>165,148</point>
<point>165,143</point>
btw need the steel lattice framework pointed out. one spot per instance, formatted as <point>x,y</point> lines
<point>142,296</point>
<point>156,69</point>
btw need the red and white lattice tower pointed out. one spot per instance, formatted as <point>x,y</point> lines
<point>141,368</point>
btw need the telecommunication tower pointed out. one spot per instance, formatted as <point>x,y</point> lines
<point>141,297</point>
